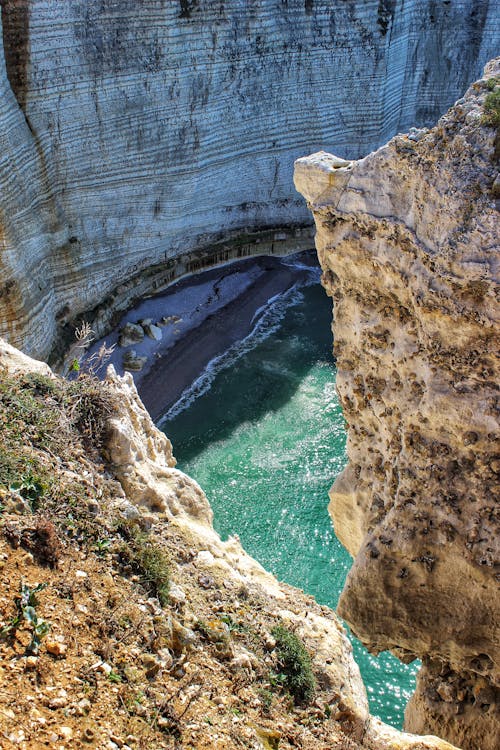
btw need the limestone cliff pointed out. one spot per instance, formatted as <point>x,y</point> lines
<point>117,666</point>
<point>138,138</point>
<point>408,241</point>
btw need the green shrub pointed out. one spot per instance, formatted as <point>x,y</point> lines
<point>147,559</point>
<point>492,108</point>
<point>295,663</point>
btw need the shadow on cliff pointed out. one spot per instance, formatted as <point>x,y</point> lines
<point>15,23</point>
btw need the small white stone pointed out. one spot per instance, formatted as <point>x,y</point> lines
<point>83,707</point>
<point>205,557</point>
<point>176,594</point>
<point>66,732</point>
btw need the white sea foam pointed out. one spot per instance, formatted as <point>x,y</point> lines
<point>266,321</point>
<point>292,262</point>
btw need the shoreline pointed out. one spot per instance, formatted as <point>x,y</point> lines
<point>216,308</point>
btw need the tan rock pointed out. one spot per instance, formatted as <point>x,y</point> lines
<point>408,246</point>
<point>66,733</point>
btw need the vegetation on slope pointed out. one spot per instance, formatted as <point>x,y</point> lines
<point>113,633</point>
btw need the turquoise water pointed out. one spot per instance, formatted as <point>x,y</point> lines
<point>265,439</point>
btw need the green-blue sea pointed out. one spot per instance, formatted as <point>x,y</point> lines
<point>262,432</point>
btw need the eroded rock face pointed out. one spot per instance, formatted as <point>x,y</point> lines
<point>408,242</point>
<point>143,140</point>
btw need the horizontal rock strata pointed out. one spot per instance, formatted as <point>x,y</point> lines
<point>135,135</point>
<point>409,245</point>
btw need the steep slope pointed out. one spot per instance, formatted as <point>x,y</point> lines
<point>409,245</point>
<point>142,137</point>
<point>97,524</point>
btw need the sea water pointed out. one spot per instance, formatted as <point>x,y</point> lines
<point>262,432</point>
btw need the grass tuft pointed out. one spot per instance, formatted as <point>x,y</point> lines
<point>295,663</point>
<point>147,559</point>
<point>491,107</point>
<point>50,429</point>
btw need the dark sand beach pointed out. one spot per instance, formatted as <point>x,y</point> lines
<point>163,385</point>
<point>216,309</point>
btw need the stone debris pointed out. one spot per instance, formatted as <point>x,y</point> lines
<point>131,333</point>
<point>133,362</point>
<point>153,331</point>
<point>56,648</point>
<point>170,319</point>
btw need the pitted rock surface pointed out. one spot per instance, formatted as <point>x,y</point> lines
<point>409,245</point>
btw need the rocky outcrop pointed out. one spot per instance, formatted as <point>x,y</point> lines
<point>143,140</point>
<point>408,241</point>
<point>200,679</point>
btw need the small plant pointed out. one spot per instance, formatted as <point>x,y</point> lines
<point>492,108</point>
<point>491,116</point>
<point>84,336</point>
<point>114,677</point>
<point>90,405</point>
<point>29,488</point>
<point>102,546</point>
<point>147,559</point>
<point>266,698</point>
<point>26,603</point>
<point>296,668</point>
<point>233,625</point>
<point>98,359</point>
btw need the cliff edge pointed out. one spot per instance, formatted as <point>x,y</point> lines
<point>408,241</point>
<point>126,621</point>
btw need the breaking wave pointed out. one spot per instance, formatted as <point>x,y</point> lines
<point>266,321</point>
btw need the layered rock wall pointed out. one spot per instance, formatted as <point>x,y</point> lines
<point>136,134</point>
<point>408,242</point>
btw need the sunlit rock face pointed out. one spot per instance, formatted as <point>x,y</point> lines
<point>409,245</point>
<point>138,134</point>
